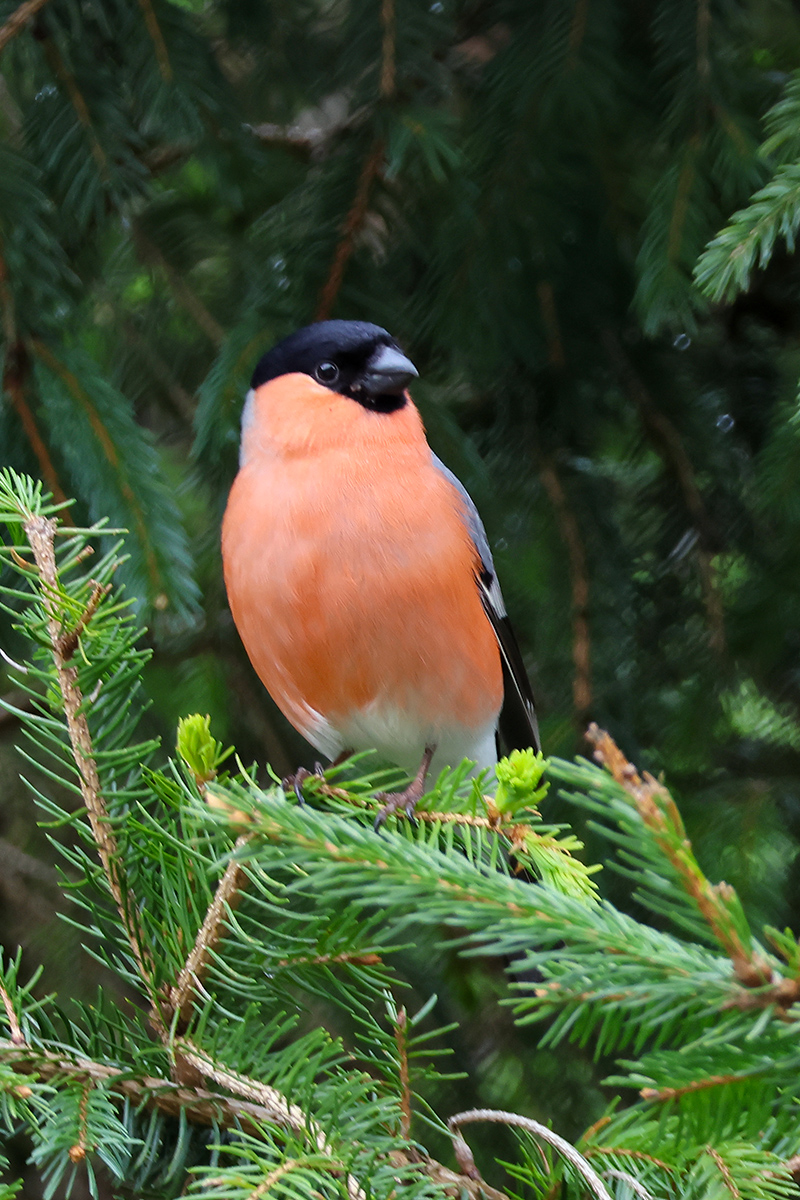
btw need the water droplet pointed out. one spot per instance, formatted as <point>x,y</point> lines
<point>282,282</point>
<point>437,6</point>
<point>725,422</point>
<point>514,264</point>
<point>48,90</point>
<point>501,544</point>
<point>682,341</point>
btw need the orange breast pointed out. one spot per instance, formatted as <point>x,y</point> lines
<point>349,569</point>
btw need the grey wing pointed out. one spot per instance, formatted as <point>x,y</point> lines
<point>518,727</point>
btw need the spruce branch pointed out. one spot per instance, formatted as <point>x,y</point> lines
<point>15,373</point>
<point>18,20</point>
<point>698,1085</point>
<point>281,1111</point>
<point>199,1105</point>
<point>40,532</point>
<point>401,1041</point>
<point>69,83</point>
<point>17,1036</point>
<point>579,584</point>
<point>157,37</point>
<point>668,444</point>
<point>718,903</point>
<point>186,297</point>
<point>352,224</point>
<point>182,995</point>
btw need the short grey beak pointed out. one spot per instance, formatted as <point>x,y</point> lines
<point>388,372</point>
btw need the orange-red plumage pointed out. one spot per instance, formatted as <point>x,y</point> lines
<point>351,572</point>
<point>358,571</point>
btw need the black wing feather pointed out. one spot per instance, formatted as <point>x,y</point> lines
<point>517,725</point>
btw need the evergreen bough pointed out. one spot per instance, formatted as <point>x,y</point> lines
<point>229,911</point>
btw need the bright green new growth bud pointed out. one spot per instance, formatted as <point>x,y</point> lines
<point>201,752</point>
<point>518,778</point>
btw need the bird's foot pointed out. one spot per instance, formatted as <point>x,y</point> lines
<point>405,801</point>
<point>294,783</point>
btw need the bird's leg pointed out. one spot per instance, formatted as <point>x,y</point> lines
<point>294,783</point>
<point>407,799</point>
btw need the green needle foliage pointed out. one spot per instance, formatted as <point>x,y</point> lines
<point>264,944</point>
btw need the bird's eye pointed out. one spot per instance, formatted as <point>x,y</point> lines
<point>326,372</point>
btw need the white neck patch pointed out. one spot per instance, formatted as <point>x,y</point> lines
<point>248,416</point>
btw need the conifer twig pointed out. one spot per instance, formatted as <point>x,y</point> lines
<point>18,20</point>
<point>281,1111</point>
<point>40,532</point>
<point>157,38</point>
<point>17,1036</point>
<point>76,99</point>
<point>668,445</point>
<point>579,582</point>
<point>401,1041</point>
<point>388,49</point>
<point>660,815</point>
<point>15,369</point>
<point>697,1085</point>
<point>188,299</point>
<point>200,1106</point>
<point>496,1116</point>
<point>226,896</point>
<point>352,223</point>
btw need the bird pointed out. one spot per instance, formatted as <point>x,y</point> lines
<point>358,571</point>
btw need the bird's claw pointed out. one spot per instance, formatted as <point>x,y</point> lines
<point>396,802</point>
<point>294,783</point>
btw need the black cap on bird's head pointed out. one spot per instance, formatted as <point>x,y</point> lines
<point>354,358</point>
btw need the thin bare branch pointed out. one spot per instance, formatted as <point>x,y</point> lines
<point>632,1182</point>
<point>564,1148</point>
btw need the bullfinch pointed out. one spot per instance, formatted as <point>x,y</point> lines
<point>358,571</point>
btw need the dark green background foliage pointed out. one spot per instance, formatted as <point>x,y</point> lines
<point>519,190</point>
